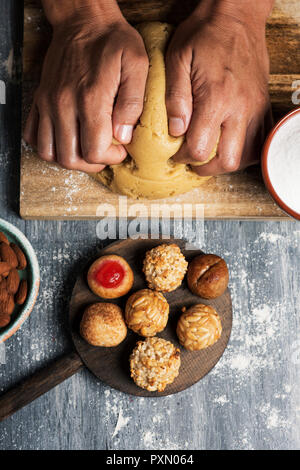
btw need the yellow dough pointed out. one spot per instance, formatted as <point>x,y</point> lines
<point>148,171</point>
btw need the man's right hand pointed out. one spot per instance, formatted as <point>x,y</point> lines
<point>92,87</point>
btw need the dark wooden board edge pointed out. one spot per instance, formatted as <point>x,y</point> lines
<point>105,363</point>
<point>39,383</point>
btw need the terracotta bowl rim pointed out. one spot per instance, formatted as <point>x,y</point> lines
<point>264,166</point>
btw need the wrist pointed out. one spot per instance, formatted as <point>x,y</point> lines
<point>81,12</point>
<point>251,13</point>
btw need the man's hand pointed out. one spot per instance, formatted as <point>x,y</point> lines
<point>92,86</point>
<point>217,78</point>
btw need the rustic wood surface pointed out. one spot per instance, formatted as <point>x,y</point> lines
<point>251,398</point>
<point>37,384</point>
<point>72,195</point>
<point>111,365</point>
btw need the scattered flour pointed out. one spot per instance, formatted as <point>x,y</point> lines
<point>222,400</point>
<point>121,423</point>
<point>270,237</point>
<point>240,362</point>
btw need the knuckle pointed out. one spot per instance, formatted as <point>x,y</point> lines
<point>93,157</point>
<point>86,100</point>
<point>175,94</point>
<point>201,86</point>
<point>244,100</point>
<point>230,164</point>
<point>197,152</point>
<point>41,100</point>
<point>60,99</point>
<point>175,56</point>
<point>261,99</point>
<point>141,58</point>
<point>131,106</point>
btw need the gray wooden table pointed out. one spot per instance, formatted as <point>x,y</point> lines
<point>251,400</point>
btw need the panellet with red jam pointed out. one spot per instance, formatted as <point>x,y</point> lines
<point>110,277</point>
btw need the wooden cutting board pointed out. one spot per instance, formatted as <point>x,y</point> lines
<point>49,192</point>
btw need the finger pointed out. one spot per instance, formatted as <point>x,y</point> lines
<point>81,165</point>
<point>114,155</point>
<point>95,116</point>
<point>46,139</point>
<point>256,134</point>
<point>96,142</point>
<point>130,99</point>
<point>230,149</point>
<point>269,120</point>
<point>203,132</point>
<point>68,149</point>
<point>31,127</point>
<point>68,146</point>
<point>67,137</point>
<point>179,100</point>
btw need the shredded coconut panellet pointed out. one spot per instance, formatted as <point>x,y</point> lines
<point>154,363</point>
<point>284,162</point>
<point>165,267</point>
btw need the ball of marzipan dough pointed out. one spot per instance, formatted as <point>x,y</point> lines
<point>208,276</point>
<point>149,171</point>
<point>146,312</point>
<point>199,327</point>
<point>154,363</point>
<point>164,267</point>
<point>103,324</point>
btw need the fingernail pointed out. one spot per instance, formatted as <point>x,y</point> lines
<point>124,133</point>
<point>176,126</point>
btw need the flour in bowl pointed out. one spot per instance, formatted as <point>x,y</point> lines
<point>284,162</point>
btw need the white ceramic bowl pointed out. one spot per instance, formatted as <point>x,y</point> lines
<point>31,273</point>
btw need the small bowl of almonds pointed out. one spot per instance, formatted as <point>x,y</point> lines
<point>19,279</point>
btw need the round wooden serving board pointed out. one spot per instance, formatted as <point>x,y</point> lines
<point>111,365</point>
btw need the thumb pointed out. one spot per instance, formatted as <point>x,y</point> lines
<point>130,99</point>
<point>179,99</point>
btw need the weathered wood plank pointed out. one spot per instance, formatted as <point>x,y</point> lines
<point>251,400</point>
<point>73,195</point>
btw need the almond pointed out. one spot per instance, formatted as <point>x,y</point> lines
<point>13,282</point>
<point>22,293</point>
<point>3,238</point>
<point>22,262</point>
<point>8,255</point>
<point>4,320</point>
<point>4,267</point>
<point>7,307</point>
<point>3,295</point>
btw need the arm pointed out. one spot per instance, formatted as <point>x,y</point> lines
<point>80,11</point>
<point>92,86</point>
<point>217,78</point>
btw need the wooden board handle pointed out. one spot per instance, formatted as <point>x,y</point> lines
<point>39,383</point>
